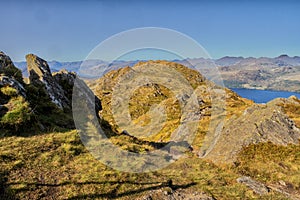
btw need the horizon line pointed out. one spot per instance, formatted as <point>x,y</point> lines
<point>227,56</point>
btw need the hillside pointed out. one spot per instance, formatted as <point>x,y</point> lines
<point>58,166</point>
<point>279,73</point>
<point>254,156</point>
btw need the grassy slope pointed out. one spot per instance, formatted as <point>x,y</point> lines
<point>271,163</point>
<point>18,114</point>
<point>57,165</point>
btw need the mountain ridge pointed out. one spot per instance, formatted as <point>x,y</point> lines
<point>280,73</point>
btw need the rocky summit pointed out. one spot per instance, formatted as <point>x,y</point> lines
<point>41,104</point>
<point>239,149</point>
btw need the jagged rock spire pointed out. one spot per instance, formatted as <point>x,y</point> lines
<point>40,75</point>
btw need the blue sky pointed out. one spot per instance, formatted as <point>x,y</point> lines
<point>69,30</point>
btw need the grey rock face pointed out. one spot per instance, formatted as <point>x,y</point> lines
<point>40,75</point>
<point>7,74</point>
<point>64,77</point>
<point>259,123</point>
<point>69,80</point>
<point>66,80</point>
<point>4,60</point>
<point>10,81</point>
<point>256,186</point>
<point>7,68</point>
<point>59,85</point>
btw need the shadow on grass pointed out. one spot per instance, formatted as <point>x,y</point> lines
<point>5,193</point>
<point>4,99</point>
<point>113,194</point>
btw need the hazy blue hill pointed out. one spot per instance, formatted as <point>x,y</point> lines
<point>227,60</point>
<point>281,73</point>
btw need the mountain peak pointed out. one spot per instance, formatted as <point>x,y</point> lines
<point>229,60</point>
<point>283,56</point>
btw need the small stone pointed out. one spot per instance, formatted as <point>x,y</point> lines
<point>281,182</point>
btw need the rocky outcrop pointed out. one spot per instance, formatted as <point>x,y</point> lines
<point>9,75</point>
<point>15,111</point>
<point>258,123</point>
<point>7,68</point>
<point>66,80</point>
<point>44,94</point>
<point>8,78</point>
<point>69,80</point>
<point>59,85</point>
<point>40,75</point>
<point>12,82</point>
<point>256,186</point>
<point>5,61</point>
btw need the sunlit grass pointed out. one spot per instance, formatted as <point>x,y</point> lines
<point>58,165</point>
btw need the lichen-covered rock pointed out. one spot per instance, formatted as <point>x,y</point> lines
<point>40,76</point>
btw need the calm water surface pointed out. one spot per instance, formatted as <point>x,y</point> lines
<point>263,96</point>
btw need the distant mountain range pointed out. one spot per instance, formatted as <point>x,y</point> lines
<point>279,73</point>
<point>75,66</point>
